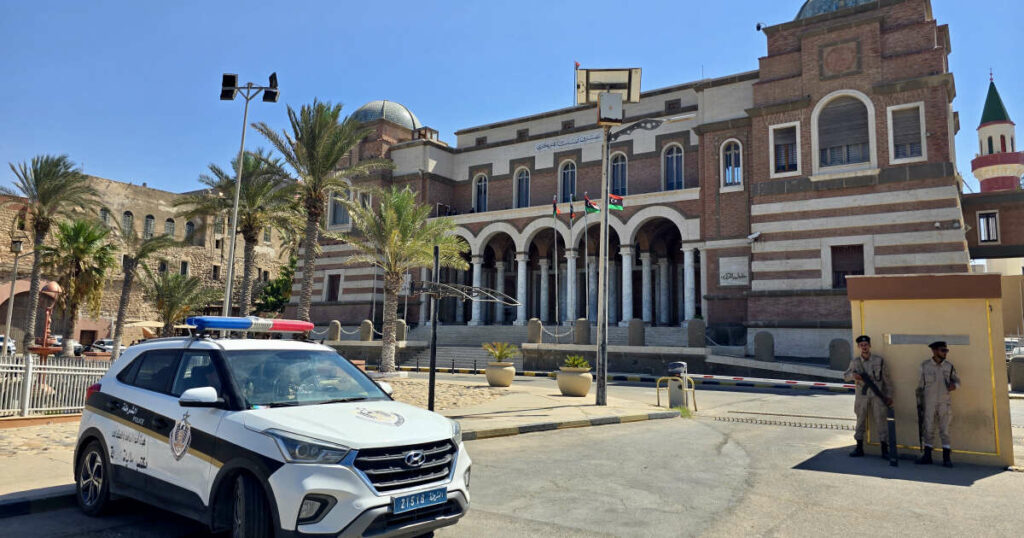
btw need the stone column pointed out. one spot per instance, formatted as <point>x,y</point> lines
<point>689,282</point>
<point>570,286</point>
<point>647,299</point>
<point>424,299</point>
<point>664,288</point>
<point>522,263</point>
<point>499,286</point>
<point>545,316</point>
<point>627,285</point>
<point>478,270</point>
<point>592,288</point>
<point>680,305</point>
<point>613,293</point>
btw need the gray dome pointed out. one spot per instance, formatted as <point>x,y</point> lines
<point>813,8</point>
<point>387,110</point>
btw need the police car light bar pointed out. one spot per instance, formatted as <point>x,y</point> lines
<point>249,324</point>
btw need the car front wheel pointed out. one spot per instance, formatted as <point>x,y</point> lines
<point>92,480</point>
<point>251,515</point>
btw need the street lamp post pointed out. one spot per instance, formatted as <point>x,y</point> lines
<point>229,88</point>
<point>16,246</point>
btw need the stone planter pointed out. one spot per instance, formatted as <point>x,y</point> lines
<point>574,381</point>
<point>500,374</point>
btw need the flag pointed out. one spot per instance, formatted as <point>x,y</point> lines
<point>577,65</point>
<point>589,206</point>
<point>614,202</point>
<point>554,206</point>
<point>572,212</point>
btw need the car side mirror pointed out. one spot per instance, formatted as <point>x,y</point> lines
<point>386,387</point>
<point>200,397</point>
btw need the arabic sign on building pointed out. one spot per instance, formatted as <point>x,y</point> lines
<point>734,271</point>
<point>569,142</point>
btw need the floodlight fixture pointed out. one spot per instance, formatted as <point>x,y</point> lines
<point>228,86</point>
<point>270,94</point>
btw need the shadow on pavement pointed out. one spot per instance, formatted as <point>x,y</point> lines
<point>837,460</point>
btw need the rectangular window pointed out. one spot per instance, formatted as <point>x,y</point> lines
<point>907,142</point>
<point>522,134</point>
<point>988,227</point>
<point>184,268</point>
<point>481,140</point>
<point>339,213</point>
<point>673,105</point>
<point>217,244</point>
<point>333,287</point>
<point>846,260</point>
<point>266,235</point>
<point>266,276</point>
<point>785,150</point>
<point>161,267</point>
<point>568,124</point>
<point>218,225</point>
<point>216,272</point>
<point>364,200</point>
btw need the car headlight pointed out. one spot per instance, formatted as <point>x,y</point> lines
<point>456,432</point>
<point>301,449</point>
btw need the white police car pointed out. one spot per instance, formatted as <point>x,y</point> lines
<point>267,437</point>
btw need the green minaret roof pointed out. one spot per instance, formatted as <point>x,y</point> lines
<point>994,108</point>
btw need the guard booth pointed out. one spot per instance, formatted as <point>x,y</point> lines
<point>903,314</point>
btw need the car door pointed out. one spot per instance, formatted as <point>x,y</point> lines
<point>182,458</point>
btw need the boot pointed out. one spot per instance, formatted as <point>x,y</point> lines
<point>927,458</point>
<point>946,462</point>
<point>885,451</point>
<point>859,451</point>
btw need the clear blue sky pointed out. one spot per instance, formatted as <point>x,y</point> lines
<point>129,89</point>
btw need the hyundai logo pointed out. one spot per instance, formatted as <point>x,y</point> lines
<point>414,458</point>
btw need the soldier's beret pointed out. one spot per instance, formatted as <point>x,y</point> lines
<point>938,344</point>
<point>863,338</point>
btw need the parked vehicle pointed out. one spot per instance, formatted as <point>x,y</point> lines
<point>105,345</point>
<point>11,346</point>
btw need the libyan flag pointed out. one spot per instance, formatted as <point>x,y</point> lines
<point>615,202</point>
<point>589,206</point>
<point>554,207</point>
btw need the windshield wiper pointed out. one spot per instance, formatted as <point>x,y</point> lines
<point>283,404</point>
<point>342,400</point>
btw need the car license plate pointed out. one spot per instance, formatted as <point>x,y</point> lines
<point>419,500</point>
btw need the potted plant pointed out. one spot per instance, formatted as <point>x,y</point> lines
<point>501,371</point>
<point>574,376</point>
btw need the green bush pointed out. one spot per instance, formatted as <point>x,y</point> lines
<point>576,361</point>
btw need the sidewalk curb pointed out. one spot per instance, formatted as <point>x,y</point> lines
<point>475,435</point>
<point>45,500</point>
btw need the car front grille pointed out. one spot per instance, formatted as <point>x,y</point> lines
<point>387,470</point>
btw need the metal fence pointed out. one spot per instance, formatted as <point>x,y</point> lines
<point>28,386</point>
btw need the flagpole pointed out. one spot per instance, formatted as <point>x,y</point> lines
<point>586,251</point>
<point>554,241</point>
<point>602,281</point>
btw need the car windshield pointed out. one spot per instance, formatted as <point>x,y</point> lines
<point>273,378</point>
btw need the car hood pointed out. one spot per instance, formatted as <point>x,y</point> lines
<point>365,424</point>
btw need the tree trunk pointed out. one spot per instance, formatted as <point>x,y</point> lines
<point>33,292</point>
<point>249,260</point>
<point>392,283</point>
<point>167,330</point>
<point>69,349</point>
<point>130,267</point>
<point>312,238</point>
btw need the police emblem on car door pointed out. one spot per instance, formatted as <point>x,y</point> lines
<point>180,437</point>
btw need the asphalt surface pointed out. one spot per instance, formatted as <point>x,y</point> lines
<point>685,477</point>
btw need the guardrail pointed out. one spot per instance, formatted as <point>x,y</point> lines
<point>29,386</point>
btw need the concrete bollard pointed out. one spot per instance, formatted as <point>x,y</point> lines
<point>401,330</point>
<point>637,336</point>
<point>1017,374</point>
<point>764,347</point>
<point>534,330</point>
<point>695,333</point>
<point>366,331</point>
<point>334,331</point>
<point>839,354</point>
<point>581,332</point>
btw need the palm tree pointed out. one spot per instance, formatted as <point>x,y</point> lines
<point>174,296</point>
<point>398,236</point>
<point>136,249</point>
<point>265,200</point>
<point>52,186</point>
<point>81,256</point>
<point>314,149</point>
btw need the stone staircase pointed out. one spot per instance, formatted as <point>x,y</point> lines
<point>467,336</point>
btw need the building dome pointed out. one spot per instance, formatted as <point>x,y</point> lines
<point>813,8</point>
<point>388,110</point>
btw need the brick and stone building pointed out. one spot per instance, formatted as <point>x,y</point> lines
<point>835,158</point>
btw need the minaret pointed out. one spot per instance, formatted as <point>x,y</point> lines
<point>998,166</point>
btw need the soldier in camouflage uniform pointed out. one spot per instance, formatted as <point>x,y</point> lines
<point>866,403</point>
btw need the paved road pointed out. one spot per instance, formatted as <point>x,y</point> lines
<point>698,476</point>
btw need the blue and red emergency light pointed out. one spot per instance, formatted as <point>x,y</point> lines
<point>249,324</point>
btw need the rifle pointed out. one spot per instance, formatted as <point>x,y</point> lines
<point>920,417</point>
<point>890,417</point>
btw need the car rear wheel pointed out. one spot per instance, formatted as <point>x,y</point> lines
<point>92,480</point>
<point>251,515</point>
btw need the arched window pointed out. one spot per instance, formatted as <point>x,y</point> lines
<point>843,133</point>
<point>128,221</point>
<point>339,213</point>
<point>190,230</point>
<point>732,164</point>
<point>105,215</point>
<point>480,194</point>
<point>673,168</point>
<point>568,183</point>
<point>169,227</point>
<point>523,188</point>
<point>991,148</point>
<point>1002,143</point>
<point>148,227</point>
<point>619,174</point>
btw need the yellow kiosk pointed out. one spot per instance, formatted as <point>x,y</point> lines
<point>903,314</point>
